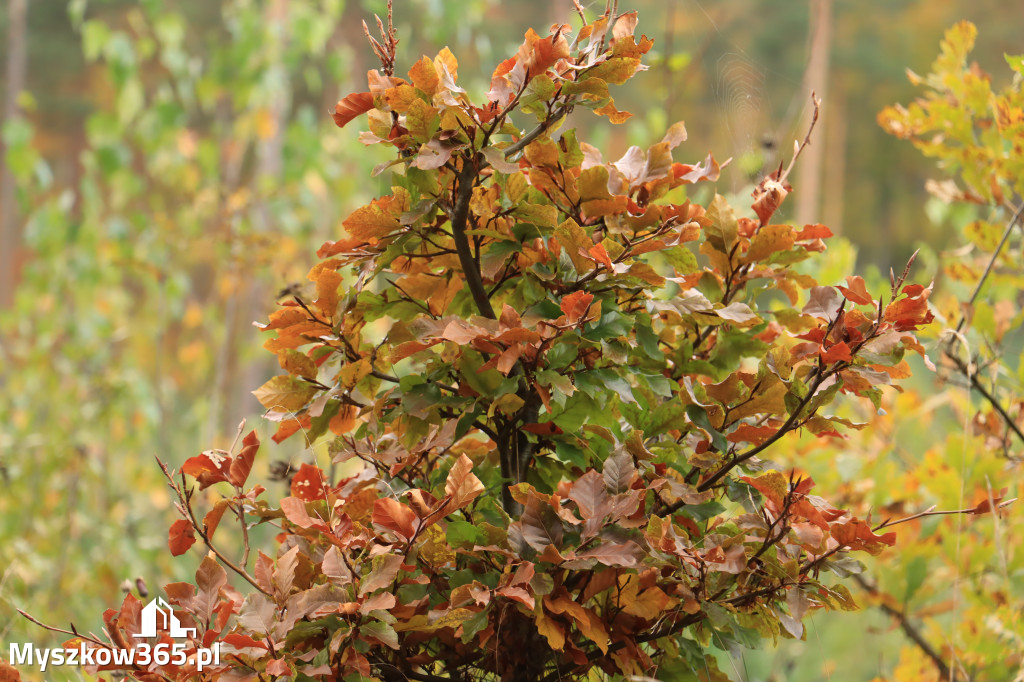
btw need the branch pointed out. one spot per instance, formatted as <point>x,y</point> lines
<point>190,516</point>
<point>807,138</point>
<point>459,218</point>
<point>783,430</point>
<point>911,631</point>
<point>930,511</point>
<point>1014,221</point>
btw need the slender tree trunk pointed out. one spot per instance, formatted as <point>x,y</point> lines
<point>10,221</point>
<point>252,293</point>
<point>835,150</point>
<point>810,167</point>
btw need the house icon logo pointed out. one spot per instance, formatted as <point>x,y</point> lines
<point>158,608</point>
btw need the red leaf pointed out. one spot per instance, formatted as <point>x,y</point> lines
<point>181,537</point>
<point>309,483</point>
<point>576,304</point>
<point>390,514</point>
<point>242,641</point>
<point>241,465</point>
<point>543,428</point>
<point>355,104</point>
<point>208,468</point>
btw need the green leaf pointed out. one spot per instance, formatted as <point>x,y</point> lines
<point>699,416</point>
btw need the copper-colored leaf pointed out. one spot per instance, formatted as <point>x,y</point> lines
<point>538,54</point>
<point>181,537</point>
<point>309,483</point>
<point>576,304</point>
<point>390,514</point>
<point>353,105</point>
<point>462,485</point>
<point>241,464</point>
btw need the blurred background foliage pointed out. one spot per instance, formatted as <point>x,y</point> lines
<point>170,167</point>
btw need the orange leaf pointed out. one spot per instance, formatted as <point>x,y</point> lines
<point>816,231</point>
<point>462,485</point>
<point>855,290</point>
<point>344,421</point>
<point>180,537</point>
<point>355,104</point>
<point>755,435</point>
<point>212,518</point>
<point>598,253</point>
<point>390,514</point>
<point>576,304</point>
<point>294,510</point>
<point>538,54</point>
<point>370,223</point>
<point>208,467</point>
<point>327,292</point>
<point>838,352</point>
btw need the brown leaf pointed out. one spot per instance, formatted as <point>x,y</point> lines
<point>541,526</point>
<point>588,492</point>
<point>619,472</point>
<point>353,105</point>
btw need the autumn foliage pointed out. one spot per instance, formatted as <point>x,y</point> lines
<point>552,385</point>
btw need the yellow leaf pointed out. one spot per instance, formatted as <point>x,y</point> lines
<point>551,630</point>
<point>572,237</point>
<point>424,76</point>
<point>400,97</point>
<point>768,240</point>
<point>284,394</point>
<point>446,58</point>
<point>370,223</point>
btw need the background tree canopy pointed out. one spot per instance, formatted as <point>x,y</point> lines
<point>173,165</point>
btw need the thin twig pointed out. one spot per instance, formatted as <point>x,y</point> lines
<point>910,630</point>
<point>807,138</point>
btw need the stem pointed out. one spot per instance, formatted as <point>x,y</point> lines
<point>459,218</point>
